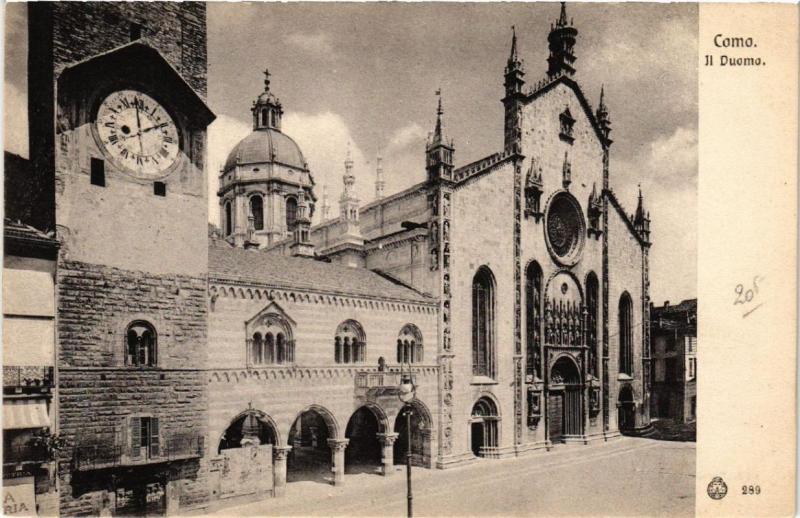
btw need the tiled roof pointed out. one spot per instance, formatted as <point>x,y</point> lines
<point>258,266</point>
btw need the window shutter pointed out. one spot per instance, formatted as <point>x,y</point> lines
<point>155,446</point>
<point>136,437</point>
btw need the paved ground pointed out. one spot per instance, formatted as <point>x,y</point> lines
<point>629,476</point>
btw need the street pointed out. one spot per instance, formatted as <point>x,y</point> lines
<point>628,476</point>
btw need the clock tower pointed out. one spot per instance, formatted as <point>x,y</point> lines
<point>118,125</point>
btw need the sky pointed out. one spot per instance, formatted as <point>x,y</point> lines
<point>366,74</point>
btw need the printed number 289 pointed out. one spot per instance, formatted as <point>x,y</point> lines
<point>751,490</point>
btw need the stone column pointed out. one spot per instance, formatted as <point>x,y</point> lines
<point>388,439</point>
<point>279,469</point>
<point>337,447</point>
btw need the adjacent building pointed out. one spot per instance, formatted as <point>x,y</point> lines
<point>29,414</point>
<point>674,347</point>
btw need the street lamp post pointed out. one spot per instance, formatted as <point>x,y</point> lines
<point>406,392</point>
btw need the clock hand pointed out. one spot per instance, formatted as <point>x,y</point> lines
<point>139,130</point>
<point>154,127</point>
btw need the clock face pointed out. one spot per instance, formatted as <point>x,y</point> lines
<point>137,132</point>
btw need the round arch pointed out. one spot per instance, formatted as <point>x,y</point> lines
<point>569,274</point>
<point>565,411</point>
<point>326,415</point>
<point>626,408</point>
<point>233,433</point>
<point>484,426</point>
<point>420,423</point>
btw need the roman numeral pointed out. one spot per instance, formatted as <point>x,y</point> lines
<point>109,125</point>
<point>125,103</point>
<point>163,152</point>
<point>112,138</point>
<point>169,140</point>
<point>139,160</point>
<point>124,153</point>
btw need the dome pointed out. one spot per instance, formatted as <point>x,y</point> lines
<point>266,145</point>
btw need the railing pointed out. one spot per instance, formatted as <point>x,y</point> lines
<point>27,379</point>
<point>98,454</point>
<point>383,382</point>
<point>26,453</point>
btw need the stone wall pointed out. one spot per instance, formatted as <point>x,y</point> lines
<point>98,392</point>
<point>624,275</point>
<point>482,235</point>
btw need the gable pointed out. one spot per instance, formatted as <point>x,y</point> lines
<point>544,87</point>
<point>271,314</point>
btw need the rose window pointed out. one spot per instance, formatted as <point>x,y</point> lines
<point>565,228</point>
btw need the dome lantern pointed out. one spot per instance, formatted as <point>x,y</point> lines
<point>267,109</point>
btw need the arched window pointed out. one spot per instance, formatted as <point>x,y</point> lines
<point>483,323</point>
<point>141,345</point>
<point>291,213</point>
<point>269,346</point>
<point>483,424</point>
<point>350,343</point>
<point>533,314</point>
<point>257,353</point>
<point>626,334</point>
<point>228,219</point>
<point>257,209</point>
<point>592,290</point>
<point>272,342</point>
<point>265,117</point>
<point>409,345</point>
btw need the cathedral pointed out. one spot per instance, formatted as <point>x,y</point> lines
<point>200,367</point>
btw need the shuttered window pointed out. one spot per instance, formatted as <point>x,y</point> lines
<point>145,437</point>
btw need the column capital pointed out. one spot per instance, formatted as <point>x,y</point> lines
<point>338,444</point>
<point>280,452</point>
<point>388,438</point>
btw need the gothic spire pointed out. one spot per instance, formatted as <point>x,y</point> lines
<point>641,220</point>
<point>602,115</point>
<point>439,152</point>
<point>513,57</point>
<point>639,217</point>
<point>437,132</point>
<point>326,207</point>
<point>514,69</point>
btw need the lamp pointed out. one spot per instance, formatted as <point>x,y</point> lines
<point>406,392</point>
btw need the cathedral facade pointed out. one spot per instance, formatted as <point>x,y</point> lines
<point>512,292</point>
<point>539,275</point>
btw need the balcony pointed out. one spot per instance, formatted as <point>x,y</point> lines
<point>27,380</point>
<point>379,383</point>
<point>92,454</point>
<point>24,454</point>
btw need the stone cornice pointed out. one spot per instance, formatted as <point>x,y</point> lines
<point>299,372</point>
<point>267,291</point>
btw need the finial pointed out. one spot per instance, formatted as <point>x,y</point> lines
<point>602,94</point>
<point>266,79</point>
<point>562,20</point>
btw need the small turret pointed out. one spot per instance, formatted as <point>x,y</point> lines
<point>301,245</point>
<point>561,41</point>
<point>380,184</point>
<point>602,116</point>
<point>348,202</point>
<point>326,207</point>
<point>641,220</point>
